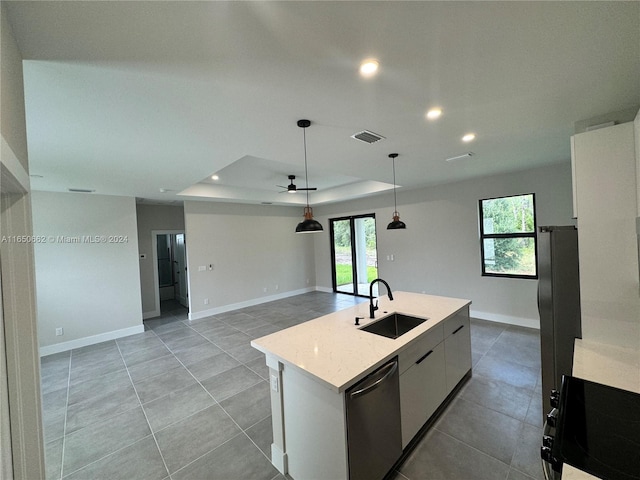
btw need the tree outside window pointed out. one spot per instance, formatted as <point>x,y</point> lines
<point>508,236</point>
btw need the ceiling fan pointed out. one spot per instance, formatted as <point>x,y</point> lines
<point>291,188</point>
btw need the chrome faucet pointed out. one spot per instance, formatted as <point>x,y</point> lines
<point>373,308</point>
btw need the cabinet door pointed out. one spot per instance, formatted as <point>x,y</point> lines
<point>457,348</point>
<point>422,390</point>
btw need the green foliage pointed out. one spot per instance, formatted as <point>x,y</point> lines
<point>509,215</point>
<point>345,277</point>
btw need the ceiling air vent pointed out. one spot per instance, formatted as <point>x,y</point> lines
<point>81,190</point>
<point>367,136</point>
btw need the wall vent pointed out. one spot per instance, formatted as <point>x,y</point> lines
<point>367,136</point>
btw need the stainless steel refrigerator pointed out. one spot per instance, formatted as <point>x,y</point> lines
<point>558,304</point>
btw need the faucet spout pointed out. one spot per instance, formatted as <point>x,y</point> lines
<point>372,307</point>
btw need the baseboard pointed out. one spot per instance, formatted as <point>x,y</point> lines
<point>248,303</point>
<point>324,289</point>
<point>92,340</point>
<point>511,320</point>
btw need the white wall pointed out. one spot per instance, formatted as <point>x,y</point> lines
<point>153,218</point>
<point>91,290</point>
<point>251,248</point>
<point>439,252</point>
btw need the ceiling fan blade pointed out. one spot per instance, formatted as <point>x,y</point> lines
<point>310,188</point>
<point>281,186</point>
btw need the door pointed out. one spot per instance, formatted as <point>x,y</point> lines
<point>180,263</point>
<point>354,254</point>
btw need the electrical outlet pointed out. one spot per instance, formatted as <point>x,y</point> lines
<point>201,268</point>
<point>206,301</point>
<point>264,289</point>
<point>277,287</point>
<point>59,331</point>
<point>274,383</point>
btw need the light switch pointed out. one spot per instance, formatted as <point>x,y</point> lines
<point>202,268</point>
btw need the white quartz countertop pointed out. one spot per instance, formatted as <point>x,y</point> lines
<point>332,350</point>
<point>609,365</point>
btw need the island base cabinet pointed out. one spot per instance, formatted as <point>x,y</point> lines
<point>457,348</point>
<point>422,390</point>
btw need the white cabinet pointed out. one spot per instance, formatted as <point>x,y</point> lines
<point>422,390</point>
<point>457,347</point>
<point>606,193</point>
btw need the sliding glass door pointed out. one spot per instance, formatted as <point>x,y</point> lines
<point>354,254</point>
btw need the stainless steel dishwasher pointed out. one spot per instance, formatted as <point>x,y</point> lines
<point>374,438</point>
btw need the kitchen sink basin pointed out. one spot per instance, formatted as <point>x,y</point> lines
<point>394,325</point>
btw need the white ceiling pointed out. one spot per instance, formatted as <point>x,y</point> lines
<point>128,98</point>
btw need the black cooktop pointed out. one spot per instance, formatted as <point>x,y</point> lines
<point>598,429</point>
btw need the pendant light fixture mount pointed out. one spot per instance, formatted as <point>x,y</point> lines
<point>308,225</point>
<point>396,223</point>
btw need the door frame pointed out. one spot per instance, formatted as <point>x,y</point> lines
<point>156,276</point>
<point>352,219</point>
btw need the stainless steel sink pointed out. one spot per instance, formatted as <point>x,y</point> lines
<point>394,325</point>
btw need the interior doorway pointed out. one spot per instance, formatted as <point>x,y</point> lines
<point>170,267</point>
<point>354,253</point>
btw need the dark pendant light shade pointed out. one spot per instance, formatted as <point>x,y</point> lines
<point>396,224</point>
<point>308,225</point>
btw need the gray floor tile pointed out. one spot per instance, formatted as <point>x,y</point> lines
<point>177,405</point>
<point>516,475</point>
<point>527,455</point>
<point>55,400</point>
<point>140,461</point>
<point>87,368</point>
<point>262,435</point>
<point>441,457</point>
<point>250,406</point>
<point>159,385</point>
<point>100,407</point>
<point>100,439</point>
<point>153,367</point>
<point>184,340</point>
<point>54,380</point>
<point>53,459</point>
<point>263,331</point>
<point>245,353</point>
<point>98,386</point>
<point>53,423</point>
<point>231,382</point>
<point>185,441</point>
<point>238,459</point>
<point>135,357</point>
<point>520,354</point>
<point>233,340</point>
<point>210,367</point>
<point>197,352</point>
<point>507,371</point>
<point>138,341</point>
<point>534,413</point>
<point>486,430</point>
<point>259,366</point>
<point>496,395</point>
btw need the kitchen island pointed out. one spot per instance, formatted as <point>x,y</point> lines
<point>313,364</point>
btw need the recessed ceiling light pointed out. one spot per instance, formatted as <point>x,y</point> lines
<point>434,113</point>
<point>215,177</point>
<point>369,67</point>
<point>469,137</point>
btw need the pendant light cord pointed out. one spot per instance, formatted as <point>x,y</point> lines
<point>306,174</point>
<point>395,206</point>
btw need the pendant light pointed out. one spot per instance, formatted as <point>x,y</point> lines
<point>396,224</point>
<point>308,225</point>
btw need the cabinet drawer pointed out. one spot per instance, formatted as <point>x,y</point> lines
<point>419,347</point>
<point>452,325</point>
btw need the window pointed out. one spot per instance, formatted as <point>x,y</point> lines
<point>508,236</point>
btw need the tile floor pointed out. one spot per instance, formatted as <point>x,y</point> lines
<point>190,400</point>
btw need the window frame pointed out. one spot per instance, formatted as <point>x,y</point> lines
<point>532,235</point>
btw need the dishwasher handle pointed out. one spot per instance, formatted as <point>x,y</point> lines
<point>376,380</point>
